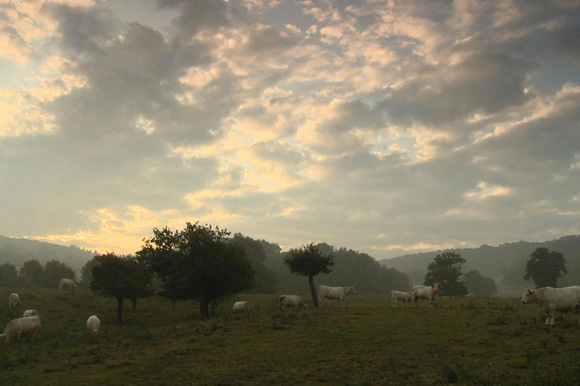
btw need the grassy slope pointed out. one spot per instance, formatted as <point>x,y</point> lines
<point>471,341</point>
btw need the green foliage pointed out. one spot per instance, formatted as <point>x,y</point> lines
<point>265,278</point>
<point>197,263</point>
<point>479,285</point>
<point>54,270</point>
<point>308,261</point>
<point>32,274</point>
<point>87,273</point>
<point>8,275</point>
<point>544,267</point>
<point>445,269</point>
<point>120,277</point>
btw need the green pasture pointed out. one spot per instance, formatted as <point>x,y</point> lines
<point>475,341</point>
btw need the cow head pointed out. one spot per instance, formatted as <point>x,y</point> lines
<point>527,295</point>
<point>435,287</point>
<point>350,290</point>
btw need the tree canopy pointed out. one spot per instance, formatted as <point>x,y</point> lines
<point>308,261</point>
<point>479,285</point>
<point>545,267</point>
<point>8,275</point>
<point>445,269</point>
<point>197,263</point>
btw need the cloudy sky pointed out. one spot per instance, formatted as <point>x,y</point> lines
<point>388,127</point>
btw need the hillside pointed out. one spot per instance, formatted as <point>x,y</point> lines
<point>17,251</point>
<point>504,263</point>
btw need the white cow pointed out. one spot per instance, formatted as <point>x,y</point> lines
<point>551,299</point>
<point>325,292</point>
<point>400,297</point>
<point>17,327</point>
<point>14,300</point>
<point>291,301</point>
<point>243,306</point>
<point>93,324</point>
<point>425,292</point>
<point>68,283</point>
<point>29,313</point>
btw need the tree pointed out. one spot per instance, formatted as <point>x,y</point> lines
<point>119,277</point>
<point>54,270</point>
<point>31,274</point>
<point>8,275</point>
<point>479,285</point>
<point>265,278</point>
<point>544,267</point>
<point>445,269</point>
<point>197,263</point>
<point>87,273</point>
<point>308,261</point>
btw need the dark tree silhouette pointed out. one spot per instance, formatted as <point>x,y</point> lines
<point>545,267</point>
<point>308,261</point>
<point>8,275</point>
<point>197,263</point>
<point>54,270</point>
<point>479,285</point>
<point>31,274</point>
<point>445,269</point>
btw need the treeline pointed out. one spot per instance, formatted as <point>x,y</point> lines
<point>34,274</point>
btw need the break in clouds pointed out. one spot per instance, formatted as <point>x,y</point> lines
<point>385,127</point>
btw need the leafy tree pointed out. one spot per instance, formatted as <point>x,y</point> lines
<point>308,261</point>
<point>54,270</point>
<point>544,267</point>
<point>445,269</point>
<point>8,275</point>
<point>197,263</point>
<point>479,285</point>
<point>87,273</point>
<point>31,274</point>
<point>265,278</point>
<point>120,277</point>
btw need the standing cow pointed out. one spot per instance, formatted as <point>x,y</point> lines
<point>325,292</point>
<point>426,292</point>
<point>551,299</point>
<point>242,306</point>
<point>17,327</point>
<point>67,283</point>
<point>14,300</point>
<point>400,297</point>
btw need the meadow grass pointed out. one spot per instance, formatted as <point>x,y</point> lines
<point>475,341</point>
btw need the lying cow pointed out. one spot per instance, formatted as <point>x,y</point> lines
<point>325,292</point>
<point>17,327</point>
<point>14,300</point>
<point>551,299</point>
<point>425,292</point>
<point>93,324</point>
<point>242,306</point>
<point>400,297</point>
<point>291,301</point>
<point>66,283</point>
<point>28,313</point>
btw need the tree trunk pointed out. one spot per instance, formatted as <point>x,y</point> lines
<point>134,304</point>
<point>204,309</point>
<point>313,291</point>
<point>120,309</point>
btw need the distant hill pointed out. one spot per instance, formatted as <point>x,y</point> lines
<point>17,251</point>
<point>504,263</point>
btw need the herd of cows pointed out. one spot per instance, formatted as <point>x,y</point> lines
<point>548,300</point>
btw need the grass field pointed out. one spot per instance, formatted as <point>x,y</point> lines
<point>465,341</point>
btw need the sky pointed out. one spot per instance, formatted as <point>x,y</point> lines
<point>386,127</point>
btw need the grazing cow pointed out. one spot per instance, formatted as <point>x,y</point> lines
<point>325,292</point>
<point>29,313</point>
<point>68,283</point>
<point>399,297</point>
<point>291,301</point>
<point>93,324</point>
<point>242,306</point>
<point>14,300</point>
<point>551,299</point>
<point>17,327</point>
<point>426,292</point>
